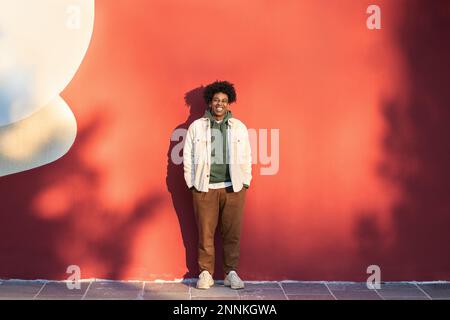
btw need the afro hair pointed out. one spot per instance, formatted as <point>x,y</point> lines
<point>219,86</point>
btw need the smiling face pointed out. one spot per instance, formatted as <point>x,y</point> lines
<point>219,105</point>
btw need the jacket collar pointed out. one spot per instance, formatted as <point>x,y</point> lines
<point>230,121</point>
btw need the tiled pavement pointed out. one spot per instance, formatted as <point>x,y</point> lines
<point>283,290</point>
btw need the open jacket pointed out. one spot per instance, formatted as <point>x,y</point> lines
<point>197,154</point>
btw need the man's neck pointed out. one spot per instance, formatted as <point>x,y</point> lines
<point>217,118</point>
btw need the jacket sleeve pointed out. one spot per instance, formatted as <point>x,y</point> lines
<point>247,166</point>
<point>188,157</point>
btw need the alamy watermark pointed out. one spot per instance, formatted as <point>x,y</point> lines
<point>264,148</point>
<point>73,21</point>
<point>374,20</point>
<point>374,280</point>
<point>73,281</point>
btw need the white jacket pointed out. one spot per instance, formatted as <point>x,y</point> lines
<point>197,154</point>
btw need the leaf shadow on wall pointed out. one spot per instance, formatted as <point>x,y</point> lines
<point>417,154</point>
<point>53,217</point>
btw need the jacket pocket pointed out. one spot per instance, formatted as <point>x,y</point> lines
<point>200,147</point>
<point>238,145</point>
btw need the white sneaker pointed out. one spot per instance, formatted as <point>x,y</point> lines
<point>232,280</point>
<point>205,280</point>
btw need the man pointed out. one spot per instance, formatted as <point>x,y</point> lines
<point>217,168</point>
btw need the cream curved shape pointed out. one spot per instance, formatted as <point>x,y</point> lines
<point>42,44</point>
<point>42,138</point>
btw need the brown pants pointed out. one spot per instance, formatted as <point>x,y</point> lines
<point>224,206</point>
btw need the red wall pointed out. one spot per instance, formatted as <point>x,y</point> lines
<point>363,164</point>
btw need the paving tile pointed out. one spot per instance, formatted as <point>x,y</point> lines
<point>261,291</point>
<point>310,297</point>
<point>407,298</point>
<point>357,296</point>
<point>167,296</point>
<point>304,288</point>
<point>57,290</point>
<point>114,290</point>
<point>166,287</point>
<point>19,290</point>
<point>60,291</point>
<point>215,291</point>
<point>390,291</point>
<point>353,291</point>
<point>437,290</point>
<point>217,298</point>
<point>262,296</point>
<point>262,286</point>
<point>348,286</point>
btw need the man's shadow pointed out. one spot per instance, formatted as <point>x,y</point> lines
<point>176,185</point>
